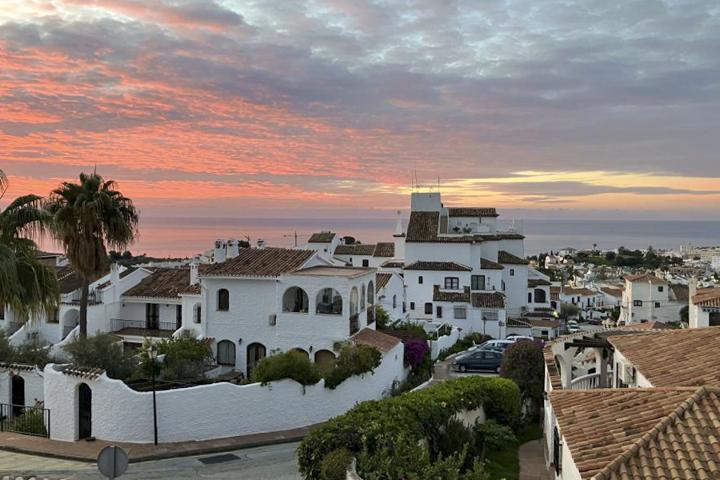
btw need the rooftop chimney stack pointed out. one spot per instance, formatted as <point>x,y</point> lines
<point>233,248</point>
<point>194,274</point>
<point>260,243</point>
<point>692,287</point>
<point>220,251</point>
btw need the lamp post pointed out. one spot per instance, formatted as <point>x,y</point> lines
<point>153,354</point>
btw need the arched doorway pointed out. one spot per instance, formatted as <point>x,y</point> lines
<point>301,351</point>
<point>325,360</point>
<point>17,392</point>
<point>255,353</point>
<point>84,411</point>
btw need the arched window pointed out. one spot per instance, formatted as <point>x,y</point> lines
<point>295,300</point>
<point>329,301</point>
<point>325,360</point>
<point>362,298</point>
<point>394,301</point>
<point>223,300</point>
<point>197,313</point>
<point>371,293</point>
<point>354,301</point>
<point>226,353</point>
<point>540,296</point>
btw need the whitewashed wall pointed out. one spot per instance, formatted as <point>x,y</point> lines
<point>443,343</point>
<point>34,386</point>
<point>209,411</point>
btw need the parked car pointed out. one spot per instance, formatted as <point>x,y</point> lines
<point>573,328</point>
<point>499,345</point>
<point>514,337</point>
<point>487,360</point>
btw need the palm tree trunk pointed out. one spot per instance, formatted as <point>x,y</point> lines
<point>85,293</point>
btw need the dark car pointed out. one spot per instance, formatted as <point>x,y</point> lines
<point>488,360</point>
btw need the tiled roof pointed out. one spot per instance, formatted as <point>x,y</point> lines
<point>438,266</point>
<point>680,357</point>
<point>613,292</point>
<point>645,277</point>
<point>488,300</point>
<point>551,367</point>
<point>683,445</point>
<point>542,322</point>
<point>68,280</point>
<point>192,290</point>
<point>162,283</point>
<point>259,262</point>
<point>393,264</point>
<point>455,296</point>
<point>707,297</point>
<point>472,212</point>
<point>538,282</point>
<point>356,249</point>
<point>585,292</point>
<point>382,279</point>
<point>486,264</point>
<point>431,227</point>
<point>507,258</point>
<point>384,249</point>
<point>650,325</point>
<point>680,292</point>
<point>600,425</point>
<point>321,237</point>
<point>517,323</point>
<point>382,341</point>
<point>422,227</point>
<point>16,367</point>
<point>89,373</point>
<point>333,271</point>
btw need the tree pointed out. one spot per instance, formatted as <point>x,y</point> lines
<point>523,363</point>
<point>89,217</point>
<point>568,310</point>
<point>26,284</point>
<point>3,183</point>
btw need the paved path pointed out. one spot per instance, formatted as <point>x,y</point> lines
<point>532,461</point>
<point>277,462</point>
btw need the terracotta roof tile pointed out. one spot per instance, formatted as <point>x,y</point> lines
<point>542,322</point>
<point>585,292</point>
<point>68,280</point>
<point>321,237</point>
<point>382,279</point>
<point>678,357</point>
<point>454,296</point>
<point>382,341</point>
<point>645,277</point>
<point>259,262</point>
<point>422,227</point>
<point>384,249</point>
<point>438,266</point>
<point>507,258</point>
<point>538,282</point>
<point>514,322</point>
<point>612,291</point>
<point>393,264</point>
<point>488,300</point>
<point>472,212</point>
<point>162,283</point>
<point>356,249</point>
<point>707,297</point>
<point>486,264</point>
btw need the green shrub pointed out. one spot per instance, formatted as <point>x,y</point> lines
<point>416,416</point>
<point>335,465</point>
<point>353,360</point>
<point>32,352</point>
<point>31,422</point>
<point>523,363</point>
<point>463,344</point>
<point>406,329</point>
<point>7,351</point>
<point>292,364</point>
<point>102,351</point>
<point>382,319</point>
<point>186,358</point>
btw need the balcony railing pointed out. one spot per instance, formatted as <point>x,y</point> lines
<point>120,324</point>
<point>588,382</point>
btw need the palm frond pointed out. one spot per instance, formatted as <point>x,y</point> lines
<point>3,183</point>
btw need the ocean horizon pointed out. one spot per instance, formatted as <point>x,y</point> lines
<point>180,237</point>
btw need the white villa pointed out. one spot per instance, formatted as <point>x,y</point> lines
<point>646,297</point>
<point>704,307</point>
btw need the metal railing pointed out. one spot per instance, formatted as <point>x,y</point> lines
<point>33,421</point>
<point>590,381</point>
<point>120,324</point>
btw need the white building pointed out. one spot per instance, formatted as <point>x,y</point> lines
<point>704,307</point>
<point>646,298</point>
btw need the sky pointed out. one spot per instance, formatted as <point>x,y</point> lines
<point>249,108</point>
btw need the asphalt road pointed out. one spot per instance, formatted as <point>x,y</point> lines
<point>277,462</point>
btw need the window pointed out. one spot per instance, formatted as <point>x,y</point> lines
<point>366,263</point>
<point>452,283</point>
<point>329,301</point>
<point>371,293</point>
<point>420,279</point>
<point>412,305</point>
<point>226,353</point>
<point>530,297</point>
<point>637,303</point>
<point>661,289</point>
<point>512,272</point>
<point>657,304</point>
<point>502,285</point>
<point>490,315</point>
<point>223,300</point>
<point>428,308</point>
<point>2,311</point>
<point>53,316</point>
<point>394,301</point>
<point>178,316</point>
<point>438,311</point>
<point>540,295</point>
<point>544,333</point>
<point>460,313</point>
<point>477,282</point>
<point>152,316</point>
<point>295,300</point>
<point>362,298</point>
<point>197,313</point>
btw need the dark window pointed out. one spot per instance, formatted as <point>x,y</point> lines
<point>502,285</point>
<point>557,452</point>
<point>657,304</point>
<point>540,296</point>
<point>428,308</point>
<point>452,283</point>
<point>477,282</point>
<point>412,305</point>
<point>661,289</point>
<point>178,316</point>
<point>223,303</point>
<point>420,279</point>
<point>197,314</point>
<point>152,316</point>
<point>512,272</point>
<point>460,313</point>
<point>366,263</point>
<point>226,353</point>
<point>438,311</point>
<point>53,316</point>
<point>394,301</point>
<point>637,303</point>
<point>2,311</point>
<point>714,319</point>
<point>530,297</point>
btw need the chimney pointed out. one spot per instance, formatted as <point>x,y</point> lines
<point>692,285</point>
<point>233,248</point>
<point>220,251</point>
<point>399,231</point>
<point>115,280</point>
<point>194,274</point>
<point>260,243</point>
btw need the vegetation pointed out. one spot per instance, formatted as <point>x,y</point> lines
<point>335,465</point>
<point>353,360</point>
<point>523,363</point>
<point>128,259</point>
<point>103,351</point>
<point>185,358</point>
<point>89,217</point>
<point>30,353</point>
<point>502,460</point>
<point>382,318</point>
<point>685,314</point>
<point>31,422</point>
<point>399,437</point>
<point>293,365</point>
<point>463,344</point>
<point>568,310</point>
<point>648,260</point>
<point>26,284</point>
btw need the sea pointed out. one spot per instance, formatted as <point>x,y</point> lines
<point>181,237</point>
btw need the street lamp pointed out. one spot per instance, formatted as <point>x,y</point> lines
<point>154,358</point>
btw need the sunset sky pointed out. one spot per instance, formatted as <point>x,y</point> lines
<point>326,107</point>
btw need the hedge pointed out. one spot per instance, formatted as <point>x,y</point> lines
<point>292,364</point>
<point>370,424</point>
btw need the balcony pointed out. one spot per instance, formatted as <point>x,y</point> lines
<point>143,328</point>
<point>591,381</point>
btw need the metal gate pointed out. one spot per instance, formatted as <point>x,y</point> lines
<point>25,420</point>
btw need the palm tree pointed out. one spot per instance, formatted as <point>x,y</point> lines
<point>88,218</point>
<point>26,284</point>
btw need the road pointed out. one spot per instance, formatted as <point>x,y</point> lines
<point>277,462</point>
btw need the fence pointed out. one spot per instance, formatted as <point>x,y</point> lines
<point>119,324</point>
<point>33,421</point>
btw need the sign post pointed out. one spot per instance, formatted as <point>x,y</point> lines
<point>112,462</point>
